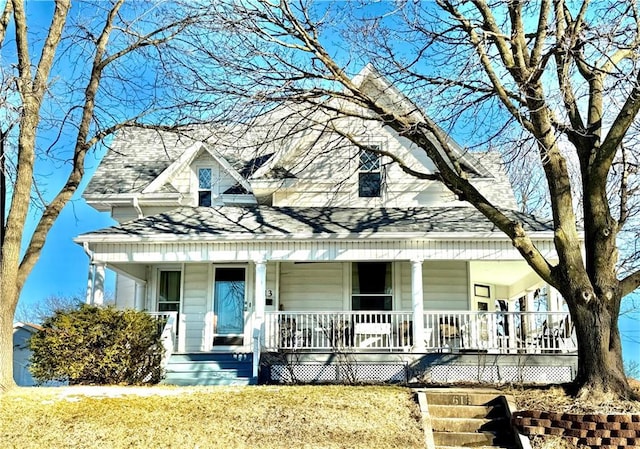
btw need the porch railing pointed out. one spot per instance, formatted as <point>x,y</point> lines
<point>168,325</point>
<point>444,331</point>
<point>336,330</point>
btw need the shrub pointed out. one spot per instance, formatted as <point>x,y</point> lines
<point>98,345</point>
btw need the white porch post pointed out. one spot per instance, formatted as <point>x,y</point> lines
<point>98,284</point>
<point>417,301</point>
<point>512,342</point>
<point>139,300</point>
<point>530,305</point>
<point>555,300</point>
<point>259,308</point>
<point>90,280</point>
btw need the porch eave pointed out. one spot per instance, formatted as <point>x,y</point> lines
<point>119,238</point>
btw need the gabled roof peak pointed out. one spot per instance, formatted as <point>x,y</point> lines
<point>387,94</point>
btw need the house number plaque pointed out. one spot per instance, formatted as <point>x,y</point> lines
<point>459,399</point>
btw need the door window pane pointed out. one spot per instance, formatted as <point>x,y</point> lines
<point>229,300</point>
<point>169,291</point>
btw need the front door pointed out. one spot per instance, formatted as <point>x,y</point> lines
<point>229,306</point>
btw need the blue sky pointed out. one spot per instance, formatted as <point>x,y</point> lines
<point>63,267</point>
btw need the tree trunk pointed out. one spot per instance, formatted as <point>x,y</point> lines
<point>601,375</point>
<point>8,300</point>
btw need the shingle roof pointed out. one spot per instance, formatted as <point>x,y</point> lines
<point>204,222</point>
<point>137,156</point>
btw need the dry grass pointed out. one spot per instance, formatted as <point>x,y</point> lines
<point>223,417</point>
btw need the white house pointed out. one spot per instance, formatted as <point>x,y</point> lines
<point>283,243</point>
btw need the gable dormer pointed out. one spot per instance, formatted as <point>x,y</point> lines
<point>205,178</point>
<point>215,182</point>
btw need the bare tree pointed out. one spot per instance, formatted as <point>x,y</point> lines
<point>43,309</point>
<point>99,68</point>
<point>553,83</point>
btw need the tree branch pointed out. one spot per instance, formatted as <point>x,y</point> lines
<point>541,35</point>
<point>630,283</point>
<point>563,72</point>
<point>501,45</point>
<point>619,128</point>
<point>4,20</point>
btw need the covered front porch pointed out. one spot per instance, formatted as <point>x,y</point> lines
<point>398,306</point>
<point>356,289</point>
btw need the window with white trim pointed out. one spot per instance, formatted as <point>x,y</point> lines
<point>369,173</point>
<point>204,187</point>
<point>371,286</point>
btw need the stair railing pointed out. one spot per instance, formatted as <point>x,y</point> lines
<point>168,336</point>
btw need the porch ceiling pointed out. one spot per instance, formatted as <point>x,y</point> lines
<point>493,272</point>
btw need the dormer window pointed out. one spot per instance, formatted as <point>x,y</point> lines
<point>369,173</point>
<point>205,187</point>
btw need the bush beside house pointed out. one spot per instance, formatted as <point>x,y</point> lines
<point>95,345</point>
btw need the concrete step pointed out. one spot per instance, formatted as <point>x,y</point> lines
<point>210,382</point>
<point>212,356</point>
<point>468,439</point>
<point>470,411</point>
<point>460,398</point>
<point>223,374</point>
<point>468,424</point>
<point>461,418</point>
<point>205,366</point>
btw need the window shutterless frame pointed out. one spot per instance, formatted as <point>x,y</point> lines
<point>369,172</point>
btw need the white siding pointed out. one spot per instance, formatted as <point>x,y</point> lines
<point>194,308</point>
<point>326,171</point>
<point>445,285</point>
<point>311,286</point>
<point>182,180</point>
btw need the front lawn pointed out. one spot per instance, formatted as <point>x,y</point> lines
<point>215,417</point>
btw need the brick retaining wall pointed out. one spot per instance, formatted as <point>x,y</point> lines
<point>596,431</point>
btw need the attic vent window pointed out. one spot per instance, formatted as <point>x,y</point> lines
<point>204,187</point>
<point>369,173</point>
